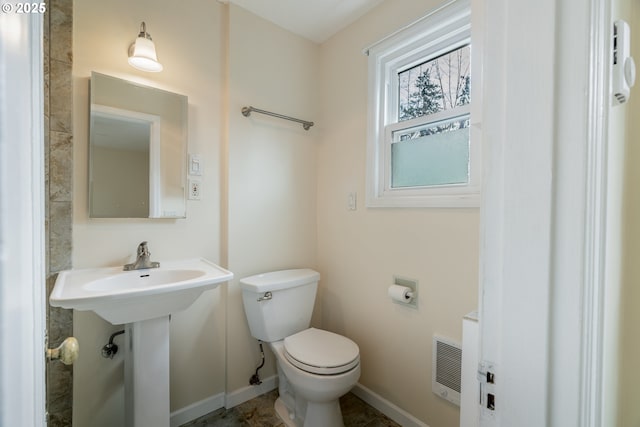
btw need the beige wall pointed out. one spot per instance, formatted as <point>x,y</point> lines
<point>360,251</point>
<point>629,374</point>
<point>272,168</point>
<point>189,44</point>
<point>615,273</point>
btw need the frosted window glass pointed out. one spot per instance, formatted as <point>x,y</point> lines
<point>436,159</point>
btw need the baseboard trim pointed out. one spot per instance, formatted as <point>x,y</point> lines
<point>247,393</point>
<point>196,410</point>
<point>392,411</point>
<point>244,394</point>
<point>221,400</point>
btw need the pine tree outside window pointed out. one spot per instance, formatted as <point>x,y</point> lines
<point>420,150</point>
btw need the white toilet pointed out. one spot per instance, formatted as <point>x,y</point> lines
<point>315,367</point>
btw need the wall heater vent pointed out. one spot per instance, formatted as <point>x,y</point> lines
<point>446,369</point>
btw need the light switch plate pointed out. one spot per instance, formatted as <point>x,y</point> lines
<point>195,164</point>
<point>352,201</point>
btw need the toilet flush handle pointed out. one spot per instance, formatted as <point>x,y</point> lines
<point>267,296</point>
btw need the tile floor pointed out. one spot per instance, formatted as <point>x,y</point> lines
<point>259,412</point>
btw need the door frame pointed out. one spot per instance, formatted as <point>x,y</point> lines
<point>22,233</point>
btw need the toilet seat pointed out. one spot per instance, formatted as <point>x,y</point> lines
<point>321,352</point>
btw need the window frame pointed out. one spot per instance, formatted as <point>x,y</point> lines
<point>441,31</point>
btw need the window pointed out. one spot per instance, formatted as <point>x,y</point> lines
<point>420,150</point>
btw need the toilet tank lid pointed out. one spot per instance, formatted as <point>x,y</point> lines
<point>277,280</point>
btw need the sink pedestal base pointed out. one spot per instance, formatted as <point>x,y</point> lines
<point>146,373</point>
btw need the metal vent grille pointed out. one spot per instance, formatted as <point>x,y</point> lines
<point>447,368</point>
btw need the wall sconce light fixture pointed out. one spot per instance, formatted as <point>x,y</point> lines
<point>142,52</point>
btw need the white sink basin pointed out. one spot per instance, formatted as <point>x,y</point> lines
<point>130,296</point>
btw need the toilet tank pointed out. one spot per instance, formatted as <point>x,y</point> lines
<point>279,303</point>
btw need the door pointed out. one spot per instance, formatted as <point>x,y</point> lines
<point>543,213</point>
<point>22,285</point>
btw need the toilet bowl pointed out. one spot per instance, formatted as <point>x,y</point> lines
<point>315,367</point>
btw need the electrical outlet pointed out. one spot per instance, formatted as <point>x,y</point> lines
<point>194,189</point>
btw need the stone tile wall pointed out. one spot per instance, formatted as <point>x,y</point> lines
<point>58,141</point>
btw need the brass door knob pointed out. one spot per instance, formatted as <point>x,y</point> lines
<point>67,352</point>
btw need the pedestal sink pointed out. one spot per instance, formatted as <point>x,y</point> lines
<point>143,300</point>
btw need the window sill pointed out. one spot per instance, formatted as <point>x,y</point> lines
<point>460,200</point>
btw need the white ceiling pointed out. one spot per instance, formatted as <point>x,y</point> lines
<point>316,20</point>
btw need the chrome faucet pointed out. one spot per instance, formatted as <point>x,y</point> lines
<point>143,260</point>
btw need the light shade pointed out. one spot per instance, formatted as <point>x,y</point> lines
<point>142,53</point>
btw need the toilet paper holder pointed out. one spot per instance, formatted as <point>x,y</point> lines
<point>410,294</point>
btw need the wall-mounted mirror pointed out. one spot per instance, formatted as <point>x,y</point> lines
<point>137,150</point>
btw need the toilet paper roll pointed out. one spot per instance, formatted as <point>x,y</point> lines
<point>401,294</point>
